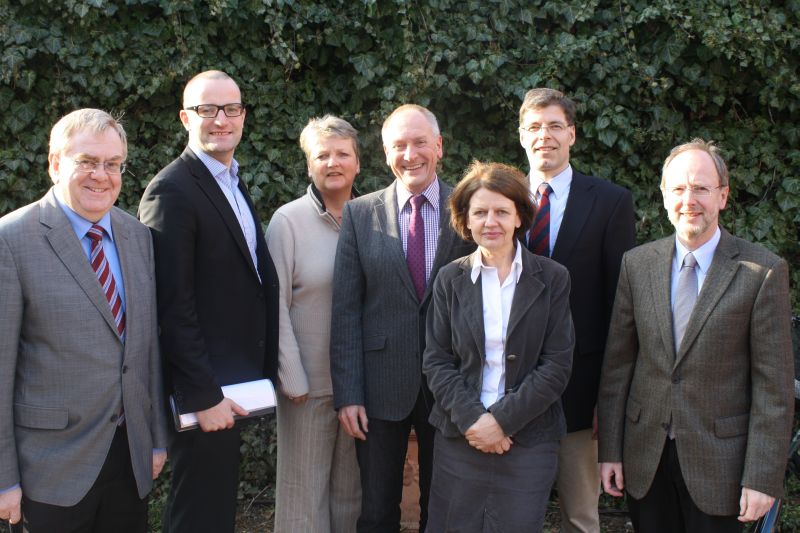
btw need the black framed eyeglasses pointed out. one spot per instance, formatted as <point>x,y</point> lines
<point>212,110</point>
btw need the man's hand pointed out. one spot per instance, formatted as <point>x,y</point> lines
<point>487,436</point>
<point>10,505</point>
<point>159,458</point>
<point>353,419</point>
<point>612,478</point>
<point>753,505</point>
<point>220,416</point>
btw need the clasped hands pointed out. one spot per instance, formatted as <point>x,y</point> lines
<point>487,436</point>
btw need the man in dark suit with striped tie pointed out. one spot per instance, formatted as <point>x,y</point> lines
<point>586,224</point>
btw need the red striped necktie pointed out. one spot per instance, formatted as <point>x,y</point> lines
<point>539,239</point>
<point>103,271</point>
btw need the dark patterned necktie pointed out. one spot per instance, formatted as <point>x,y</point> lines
<point>415,247</point>
<point>539,239</point>
<point>103,271</point>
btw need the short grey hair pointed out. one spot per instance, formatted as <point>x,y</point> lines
<point>324,127</point>
<point>430,117</point>
<point>704,146</point>
<point>93,120</point>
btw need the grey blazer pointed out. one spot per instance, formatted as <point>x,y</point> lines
<point>378,323</point>
<point>728,389</point>
<point>539,345</point>
<point>64,373</point>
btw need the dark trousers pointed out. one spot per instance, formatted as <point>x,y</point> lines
<point>381,459</point>
<point>205,479</point>
<point>112,503</point>
<point>668,507</point>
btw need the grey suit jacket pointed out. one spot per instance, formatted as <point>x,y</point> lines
<point>539,345</point>
<point>64,372</point>
<point>378,323</point>
<point>728,389</point>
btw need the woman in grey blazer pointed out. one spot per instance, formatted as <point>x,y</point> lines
<point>498,357</point>
<point>318,487</point>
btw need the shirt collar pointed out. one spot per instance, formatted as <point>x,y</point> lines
<point>217,168</point>
<point>79,224</point>
<point>704,255</point>
<point>431,193</point>
<point>560,182</point>
<point>478,266</point>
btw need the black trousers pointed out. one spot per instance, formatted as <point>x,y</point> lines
<point>112,503</point>
<point>381,459</point>
<point>668,507</point>
<point>205,479</point>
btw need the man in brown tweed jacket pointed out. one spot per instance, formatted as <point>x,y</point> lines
<point>695,403</point>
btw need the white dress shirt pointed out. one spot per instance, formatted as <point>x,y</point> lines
<point>497,300</point>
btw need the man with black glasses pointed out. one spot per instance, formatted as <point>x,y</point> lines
<point>217,300</point>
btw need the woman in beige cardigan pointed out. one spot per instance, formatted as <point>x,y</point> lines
<point>318,485</point>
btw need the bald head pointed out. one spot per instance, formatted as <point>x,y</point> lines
<point>191,89</point>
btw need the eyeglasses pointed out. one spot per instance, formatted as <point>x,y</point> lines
<point>680,190</point>
<point>211,110</point>
<point>555,128</point>
<point>111,167</point>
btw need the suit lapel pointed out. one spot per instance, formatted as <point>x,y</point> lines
<point>125,253</point>
<point>526,292</point>
<point>469,296</point>
<point>67,247</point>
<point>720,274</point>
<point>660,269</point>
<point>579,204</point>
<point>446,238</point>
<point>211,189</point>
<point>385,211</point>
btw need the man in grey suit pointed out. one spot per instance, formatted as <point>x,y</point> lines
<point>392,243</point>
<point>82,422</point>
<point>695,405</point>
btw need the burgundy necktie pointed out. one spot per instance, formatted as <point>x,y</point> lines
<point>103,271</point>
<point>415,247</point>
<point>539,238</point>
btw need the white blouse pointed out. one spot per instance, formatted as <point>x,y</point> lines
<point>497,300</point>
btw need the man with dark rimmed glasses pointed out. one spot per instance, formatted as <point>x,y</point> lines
<point>217,300</point>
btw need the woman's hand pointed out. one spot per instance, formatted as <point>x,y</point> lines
<point>487,436</point>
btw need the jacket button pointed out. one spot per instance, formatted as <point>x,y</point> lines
<point>676,380</point>
<point>665,426</point>
<point>124,369</point>
<point>114,418</point>
<point>261,344</point>
<point>511,357</point>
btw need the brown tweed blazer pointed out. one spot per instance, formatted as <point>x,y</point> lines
<point>727,390</point>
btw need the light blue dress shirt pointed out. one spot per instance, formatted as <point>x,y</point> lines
<point>560,184</point>
<point>228,181</point>
<point>81,226</point>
